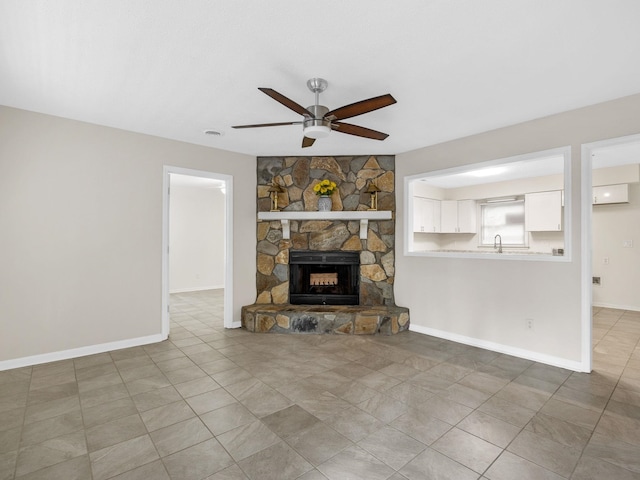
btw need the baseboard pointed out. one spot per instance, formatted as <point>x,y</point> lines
<point>617,307</point>
<point>196,289</point>
<point>79,352</point>
<point>500,348</point>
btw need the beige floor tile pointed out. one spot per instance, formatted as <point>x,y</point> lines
<point>509,466</point>
<point>296,405</point>
<point>244,441</point>
<point>545,452</point>
<point>277,462</point>
<point>393,447</point>
<point>318,443</point>
<point>50,452</point>
<point>197,462</point>
<point>122,457</point>
<point>114,432</point>
<point>166,415</point>
<point>355,463</point>
<point>77,468</point>
<point>227,418</point>
<point>52,427</point>
<point>467,449</point>
<point>179,436</point>
<point>104,413</point>
<point>432,464</point>
<point>151,471</point>
<point>489,428</point>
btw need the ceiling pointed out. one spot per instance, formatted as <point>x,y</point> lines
<point>498,172</point>
<point>626,153</point>
<point>174,68</point>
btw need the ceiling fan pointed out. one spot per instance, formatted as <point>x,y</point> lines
<point>318,120</point>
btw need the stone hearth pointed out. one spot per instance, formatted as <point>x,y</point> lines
<point>377,312</point>
<point>358,320</point>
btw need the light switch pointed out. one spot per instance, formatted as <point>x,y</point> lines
<point>627,244</point>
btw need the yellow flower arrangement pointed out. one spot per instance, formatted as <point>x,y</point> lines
<point>325,187</point>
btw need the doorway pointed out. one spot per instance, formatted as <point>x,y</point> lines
<point>610,263</point>
<point>191,275</point>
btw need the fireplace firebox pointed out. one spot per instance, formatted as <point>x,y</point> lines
<point>324,278</point>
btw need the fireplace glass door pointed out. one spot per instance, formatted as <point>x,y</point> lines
<point>324,278</point>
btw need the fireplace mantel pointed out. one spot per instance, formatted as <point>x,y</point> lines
<point>362,215</point>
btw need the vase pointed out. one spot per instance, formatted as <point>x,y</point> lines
<point>324,203</point>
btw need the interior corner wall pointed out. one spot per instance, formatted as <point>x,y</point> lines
<point>81,242</point>
<point>612,226</point>
<point>196,238</point>
<point>487,301</point>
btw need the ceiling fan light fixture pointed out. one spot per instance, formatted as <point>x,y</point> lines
<point>318,120</point>
<point>316,131</point>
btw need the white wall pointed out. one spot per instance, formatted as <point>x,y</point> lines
<point>485,301</point>
<point>81,241</point>
<point>196,237</point>
<point>612,225</point>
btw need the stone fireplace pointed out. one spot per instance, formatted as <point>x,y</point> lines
<point>328,297</point>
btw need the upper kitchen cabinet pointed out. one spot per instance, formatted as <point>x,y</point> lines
<point>543,211</point>
<point>458,216</point>
<point>426,215</point>
<point>611,194</point>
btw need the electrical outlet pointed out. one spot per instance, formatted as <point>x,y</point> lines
<point>528,323</point>
<point>605,260</point>
<point>596,280</point>
<point>627,244</point>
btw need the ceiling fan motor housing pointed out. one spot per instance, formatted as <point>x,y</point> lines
<point>318,126</point>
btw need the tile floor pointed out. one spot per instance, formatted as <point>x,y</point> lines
<point>226,404</point>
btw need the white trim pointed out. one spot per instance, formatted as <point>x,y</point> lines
<point>407,223</point>
<point>587,241</point>
<point>228,244</point>
<point>632,308</point>
<point>586,233</point>
<point>79,352</point>
<point>197,289</point>
<point>497,347</point>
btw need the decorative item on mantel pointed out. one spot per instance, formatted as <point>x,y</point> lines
<point>274,190</point>
<point>373,190</point>
<point>324,189</point>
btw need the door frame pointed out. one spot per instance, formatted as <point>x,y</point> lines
<point>587,241</point>
<point>228,241</point>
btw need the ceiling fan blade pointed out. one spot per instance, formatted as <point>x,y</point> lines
<point>358,131</point>
<point>267,125</point>
<point>307,142</point>
<point>287,102</point>
<point>363,106</point>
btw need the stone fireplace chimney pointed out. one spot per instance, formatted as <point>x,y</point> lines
<point>375,246</point>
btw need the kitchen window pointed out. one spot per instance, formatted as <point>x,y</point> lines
<point>504,217</point>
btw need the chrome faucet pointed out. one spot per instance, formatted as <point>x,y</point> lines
<point>496,244</point>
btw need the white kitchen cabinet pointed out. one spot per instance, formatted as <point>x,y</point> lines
<point>458,216</point>
<point>611,194</point>
<point>543,211</point>
<point>426,215</point>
